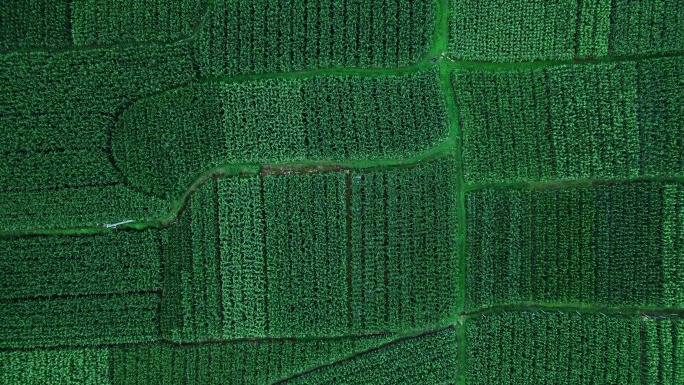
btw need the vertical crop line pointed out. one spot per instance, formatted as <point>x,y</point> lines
<point>578,28</point>
<point>160,305</point>
<point>110,360</point>
<point>265,251</point>
<point>385,211</point>
<point>219,274</point>
<point>642,350</point>
<point>348,263</point>
<point>70,21</point>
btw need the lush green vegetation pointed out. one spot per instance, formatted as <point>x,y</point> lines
<point>294,263</point>
<point>44,266</point>
<point>404,262</point>
<point>99,22</point>
<point>191,129</point>
<point>571,121</point>
<point>646,27</point>
<point>607,245</point>
<point>79,320</point>
<point>428,359</point>
<point>35,24</point>
<point>266,36</point>
<point>533,347</point>
<point>56,163</point>
<point>190,308</point>
<point>245,362</point>
<point>88,366</point>
<point>341,191</point>
<point>505,31</point>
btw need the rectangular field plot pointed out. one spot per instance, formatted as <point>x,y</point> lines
<point>43,266</point>
<point>190,308</point>
<point>100,22</point>
<point>571,121</point>
<point>504,31</point>
<point>87,320</point>
<point>269,36</point>
<point>330,254</point>
<point>646,27</point>
<point>534,347</point>
<point>87,366</point>
<point>34,24</point>
<point>616,245</point>
<point>404,264</point>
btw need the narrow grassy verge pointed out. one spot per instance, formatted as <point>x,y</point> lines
<point>569,183</point>
<point>445,65</point>
<point>577,308</point>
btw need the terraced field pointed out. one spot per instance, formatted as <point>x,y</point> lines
<point>342,192</point>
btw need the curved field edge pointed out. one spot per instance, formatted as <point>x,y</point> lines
<point>254,169</point>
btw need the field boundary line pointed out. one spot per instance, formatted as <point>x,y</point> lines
<point>535,307</point>
<point>570,183</point>
<point>457,63</point>
<point>180,344</point>
<point>364,352</point>
<point>79,296</point>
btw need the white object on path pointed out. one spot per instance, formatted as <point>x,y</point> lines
<point>113,225</point>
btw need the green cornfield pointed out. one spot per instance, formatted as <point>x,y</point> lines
<point>358,192</point>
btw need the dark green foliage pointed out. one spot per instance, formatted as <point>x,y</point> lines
<point>192,129</point>
<point>190,308</point>
<point>78,206</point>
<point>104,22</point>
<point>70,265</point>
<point>77,112</point>
<point>553,348</point>
<point>304,219</point>
<point>57,168</point>
<point>570,121</point>
<point>673,245</point>
<point>86,320</point>
<point>505,31</point>
<point>428,359</point>
<point>646,27</point>
<point>241,362</point>
<point>35,24</point>
<point>243,37</point>
<point>87,366</point>
<point>661,116</point>
<point>610,246</point>
<point>57,110</point>
<point>404,258</point>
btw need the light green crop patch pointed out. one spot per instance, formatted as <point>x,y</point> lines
<point>243,37</point>
<point>87,366</point>
<point>506,31</point>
